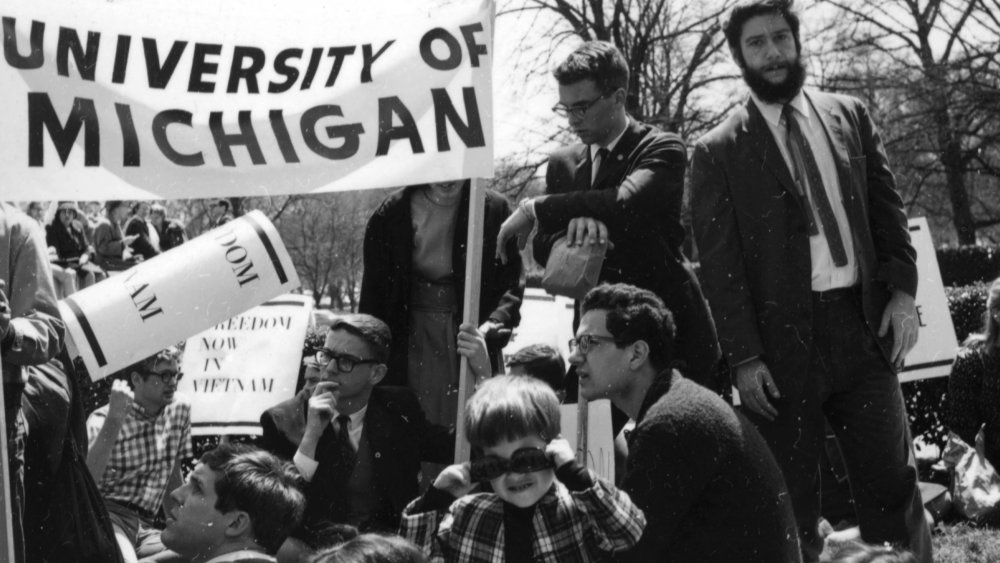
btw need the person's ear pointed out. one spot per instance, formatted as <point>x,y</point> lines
<point>239,525</point>
<point>378,373</point>
<point>619,96</point>
<point>136,378</point>
<point>638,354</point>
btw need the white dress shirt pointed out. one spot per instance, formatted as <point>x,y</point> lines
<point>825,274</point>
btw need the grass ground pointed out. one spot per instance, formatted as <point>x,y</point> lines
<point>961,543</point>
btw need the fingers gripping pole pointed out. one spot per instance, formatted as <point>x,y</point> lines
<point>470,306</point>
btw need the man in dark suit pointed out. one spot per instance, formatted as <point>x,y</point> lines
<point>621,186</point>
<point>808,266</point>
<point>362,445</point>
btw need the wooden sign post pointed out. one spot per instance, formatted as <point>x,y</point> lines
<point>470,307</point>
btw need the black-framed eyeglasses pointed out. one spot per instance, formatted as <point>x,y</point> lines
<point>345,363</point>
<point>587,341</point>
<point>168,377</point>
<point>579,110</point>
<point>523,460</point>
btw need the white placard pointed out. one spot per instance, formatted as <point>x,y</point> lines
<point>600,442</point>
<point>937,345</point>
<point>145,99</point>
<point>241,367</point>
<point>185,290</point>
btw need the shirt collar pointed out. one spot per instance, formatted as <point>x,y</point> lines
<point>610,146</point>
<point>772,112</point>
<point>356,418</point>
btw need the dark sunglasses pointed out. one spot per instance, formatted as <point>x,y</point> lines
<point>524,460</point>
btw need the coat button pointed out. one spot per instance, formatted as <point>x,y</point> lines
<point>378,455</point>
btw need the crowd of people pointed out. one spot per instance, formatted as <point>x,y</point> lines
<point>805,300</point>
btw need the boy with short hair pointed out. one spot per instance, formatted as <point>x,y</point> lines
<point>543,362</point>
<point>545,505</point>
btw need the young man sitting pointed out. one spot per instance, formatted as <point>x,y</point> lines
<point>237,506</point>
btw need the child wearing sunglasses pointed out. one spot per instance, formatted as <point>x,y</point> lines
<point>545,506</point>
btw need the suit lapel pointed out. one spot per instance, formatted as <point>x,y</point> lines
<point>834,128</point>
<point>616,160</point>
<point>764,145</point>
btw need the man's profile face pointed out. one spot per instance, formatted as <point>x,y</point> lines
<point>194,526</point>
<point>771,63</point>
<point>597,123</point>
<point>604,369</point>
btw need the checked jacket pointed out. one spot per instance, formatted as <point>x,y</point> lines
<point>579,526</point>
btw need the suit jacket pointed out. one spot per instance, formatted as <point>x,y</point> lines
<point>637,193</point>
<point>752,232</point>
<point>284,424</point>
<point>400,437</point>
<point>385,287</point>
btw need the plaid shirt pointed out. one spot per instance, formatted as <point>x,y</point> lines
<point>581,526</point>
<point>145,452</point>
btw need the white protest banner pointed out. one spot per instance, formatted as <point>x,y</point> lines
<point>937,345</point>
<point>600,442</point>
<point>164,99</point>
<point>185,290</point>
<point>241,367</point>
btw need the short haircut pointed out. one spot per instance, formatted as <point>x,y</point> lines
<point>257,482</point>
<point>510,407</point>
<point>156,208</point>
<point>372,548</point>
<point>373,331</point>
<point>636,314</point>
<point>541,361</point>
<point>222,202</point>
<point>113,204</point>
<point>599,61</point>
<point>134,208</point>
<point>747,9</point>
<point>144,366</point>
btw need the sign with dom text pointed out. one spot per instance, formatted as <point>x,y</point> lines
<point>185,290</point>
<point>243,366</point>
<point>164,99</point>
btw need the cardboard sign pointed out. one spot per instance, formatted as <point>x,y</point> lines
<point>187,289</point>
<point>241,367</point>
<point>937,345</point>
<point>600,442</point>
<point>154,99</point>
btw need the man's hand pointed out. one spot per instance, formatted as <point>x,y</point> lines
<point>751,380</point>
<point>560,452</point>
<point>586,229</point>
<point>517,225</point>
<point>321,406</point>
<point>455,479</point>
<point>127,240</point>
<point>472,346</point>
<point>120,400</point>
<point>901,313</point>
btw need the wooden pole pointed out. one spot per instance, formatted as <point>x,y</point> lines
<point>582,413</point>
<point>7,527</point>
<point>470,306</point>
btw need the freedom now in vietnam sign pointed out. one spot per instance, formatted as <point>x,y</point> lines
<point>148,99</point>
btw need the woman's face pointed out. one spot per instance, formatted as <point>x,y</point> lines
<point>446,189</point>
<point>66,216</point>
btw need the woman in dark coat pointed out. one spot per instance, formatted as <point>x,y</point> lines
<point>974,385</point>
<point>414,256</point>
<point>65,233</point>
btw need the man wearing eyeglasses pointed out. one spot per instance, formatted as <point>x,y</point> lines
<point>622,186</point>
<point>701,473</point>
<point>362,445</point>
<point>138,442</point>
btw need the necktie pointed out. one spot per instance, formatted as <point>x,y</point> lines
<point>344,437</point>
<point>808,177</point>
<point>602,155</point>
